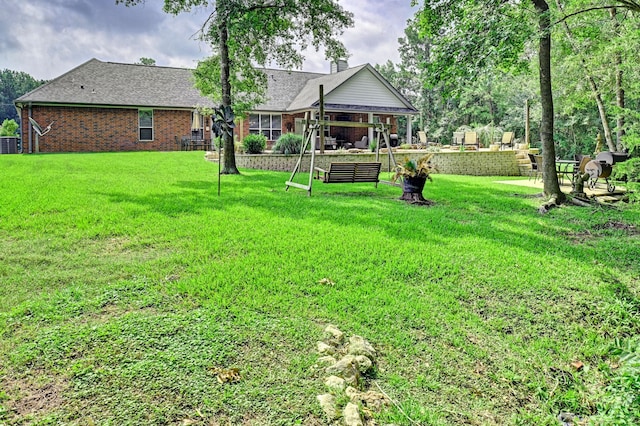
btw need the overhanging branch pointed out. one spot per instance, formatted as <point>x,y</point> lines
<point>625,4</point>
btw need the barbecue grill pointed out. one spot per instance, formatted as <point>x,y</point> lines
<point>602,166</point>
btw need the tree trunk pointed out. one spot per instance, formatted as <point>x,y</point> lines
<point>594,87</point>
<point>229,157</point>
<point>414,198</point>
<point>619,89</point>
<point>550,177</point>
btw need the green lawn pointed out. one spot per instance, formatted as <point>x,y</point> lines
<point>126,281</point>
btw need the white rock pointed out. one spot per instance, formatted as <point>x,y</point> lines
<point>335,383</point>
<point>364,363</point>
<point>325,349</point>
<point>326,361</point>
<point>359,346</point>
<point>345,367</point>
<point>332,332</point>
<point>351,415</point>
<point>328,404</point>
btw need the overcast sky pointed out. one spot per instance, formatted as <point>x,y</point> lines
<point>46,38</point>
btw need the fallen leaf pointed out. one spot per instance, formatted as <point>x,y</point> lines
<point>578,365</point>
<point>226,375</point>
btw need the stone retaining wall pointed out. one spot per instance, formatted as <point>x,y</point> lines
<point>475,163</point>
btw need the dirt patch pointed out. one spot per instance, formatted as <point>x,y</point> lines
<point>630,229</point>
<point>599,230</point>
<point>30,396</point>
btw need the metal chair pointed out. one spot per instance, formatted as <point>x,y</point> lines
<point>536,166</point>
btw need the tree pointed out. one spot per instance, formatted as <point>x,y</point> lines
<point>14,84</point>
<point>476,33</point>
<point>146,61</point>
<point>246,33</point>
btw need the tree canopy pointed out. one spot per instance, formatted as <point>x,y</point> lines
<point>474,39</point>
<point>246,34</point>
<point>14,84</point>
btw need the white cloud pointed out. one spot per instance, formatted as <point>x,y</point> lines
<point>47,38</point>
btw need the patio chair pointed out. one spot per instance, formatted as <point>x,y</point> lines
<point>458,138</point>
<point>507,140</point>
<point>536,166</point>
<point>471,139</point>
<point>362,143</point>
<point>423,138</point>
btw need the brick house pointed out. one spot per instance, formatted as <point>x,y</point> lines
<point>105,106</point>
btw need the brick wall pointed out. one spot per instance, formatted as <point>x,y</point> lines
<point>78,129</point>
<point>482,163</point>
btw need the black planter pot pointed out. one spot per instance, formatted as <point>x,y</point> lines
<point>413,184</point>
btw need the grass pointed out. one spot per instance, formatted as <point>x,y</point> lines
<point>126,281</point>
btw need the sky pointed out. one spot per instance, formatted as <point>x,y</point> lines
<point>46,38</point>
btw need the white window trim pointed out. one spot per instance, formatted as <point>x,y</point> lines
<point>145,127</point>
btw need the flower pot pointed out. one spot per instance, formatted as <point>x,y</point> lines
<point>413,184</point>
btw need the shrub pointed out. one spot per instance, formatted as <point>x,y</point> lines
<point>254,144</point>
<point>9,127</point>
<point>289,143</point>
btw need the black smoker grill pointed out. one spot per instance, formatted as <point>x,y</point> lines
<point>601,167</point>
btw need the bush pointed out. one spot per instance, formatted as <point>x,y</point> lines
<point>254,144</point>
<point>9,127</point>
<point>289,143</point>
<point>629,172</point>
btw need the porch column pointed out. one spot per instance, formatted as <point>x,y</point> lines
<point>409,126</point>
<point>370,135</point>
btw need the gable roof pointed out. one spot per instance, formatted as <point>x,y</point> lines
<point>345,91</point>
<point>100,83</point>
<point>113,84</point>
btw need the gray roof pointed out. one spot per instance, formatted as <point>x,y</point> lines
<point>115,84</point>
<point>283,86</point>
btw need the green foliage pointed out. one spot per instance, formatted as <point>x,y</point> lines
<point>146,61</point>
<point>288,143</point>
<point>254,144</point>
<point>621,402</point>
<point>421,167</point>
<point>260,34</point>
<point>14,84</point>
<point>9,127</point>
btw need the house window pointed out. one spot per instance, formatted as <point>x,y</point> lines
<point>145,124</point>
<point>269,125</point>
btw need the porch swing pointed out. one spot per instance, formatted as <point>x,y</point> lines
<point>340,172</point>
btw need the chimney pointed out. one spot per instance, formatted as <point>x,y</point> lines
<point>341,65</point>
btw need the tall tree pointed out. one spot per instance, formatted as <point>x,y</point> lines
<point>478,32</point>
<point>14,84</point>
<point>246,33</point>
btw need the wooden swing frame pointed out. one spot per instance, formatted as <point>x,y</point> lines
<point>310,128</point>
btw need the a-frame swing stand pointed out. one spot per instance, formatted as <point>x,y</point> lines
<point>311,128</point>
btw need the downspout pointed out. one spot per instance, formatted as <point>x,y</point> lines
<point>19,111</point>
<point>29,130</point>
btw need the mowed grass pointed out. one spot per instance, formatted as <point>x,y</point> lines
<point>126,282</point>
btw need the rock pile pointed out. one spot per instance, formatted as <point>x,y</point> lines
<point>345,363</point>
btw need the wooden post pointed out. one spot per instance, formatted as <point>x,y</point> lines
<point>527,128</point>
<point>321,119</point>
